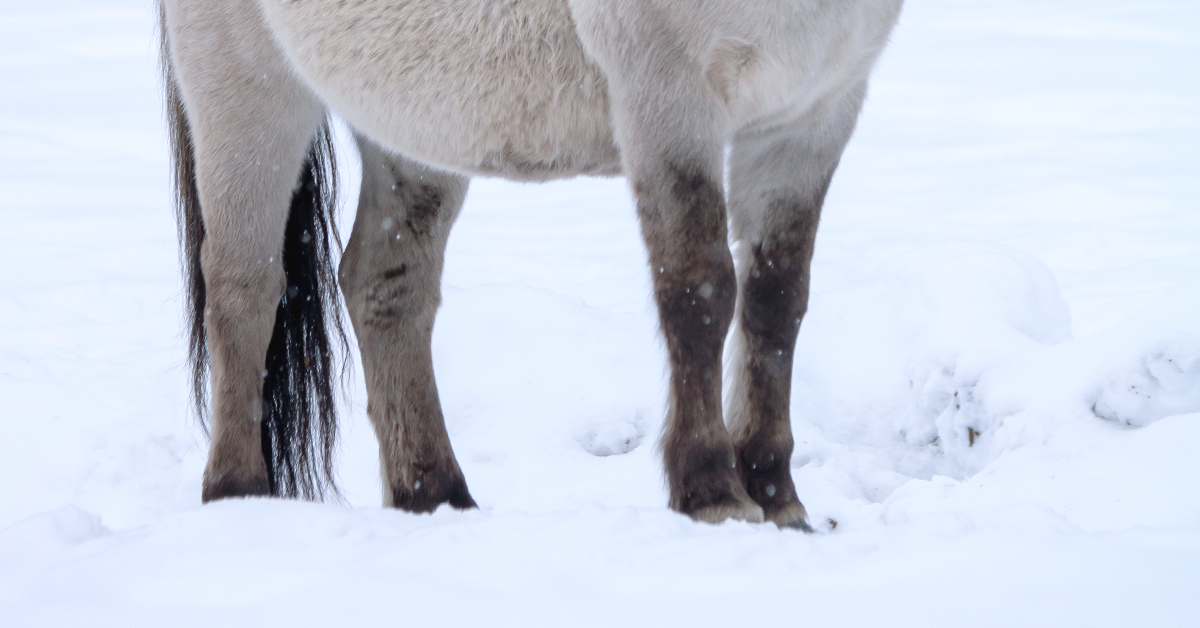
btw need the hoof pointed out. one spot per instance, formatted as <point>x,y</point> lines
<point>791,516</point>
<point>228,488</point>
<point>426,494</point>
<point>717,505</point>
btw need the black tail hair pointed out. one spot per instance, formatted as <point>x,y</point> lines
<point>299,424</point>
<point>299,421</point>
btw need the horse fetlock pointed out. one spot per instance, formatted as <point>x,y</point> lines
<point>765,472</point>
<point>230,475</point>
<point>703,479</point>
<point>236,466</point>
<point>771,487</point>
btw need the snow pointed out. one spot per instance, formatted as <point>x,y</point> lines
<point>996,397</point>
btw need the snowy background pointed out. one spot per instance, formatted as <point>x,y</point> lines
<point>996,395</point>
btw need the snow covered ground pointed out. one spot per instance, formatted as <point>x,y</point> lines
<point>996,396</point>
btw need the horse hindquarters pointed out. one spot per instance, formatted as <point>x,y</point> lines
<point>391,276</point>
<point>248,128</point>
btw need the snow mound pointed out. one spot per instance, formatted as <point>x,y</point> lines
<point>959,360</point>
<point>49,533</point>
<point>611,436</point>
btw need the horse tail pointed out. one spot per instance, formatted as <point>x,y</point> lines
<point>188,220</point>
<point>299,424</point>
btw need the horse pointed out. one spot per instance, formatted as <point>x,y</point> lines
<point>727,117</point>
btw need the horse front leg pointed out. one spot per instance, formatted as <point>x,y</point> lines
<point>671,128</point>
<point>391,278</point>
<point>682,212</point>
<point>778,181</point>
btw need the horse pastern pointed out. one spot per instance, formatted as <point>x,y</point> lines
<point>735,510</point>
<point>719,503</point>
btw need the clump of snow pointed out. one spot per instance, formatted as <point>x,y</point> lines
<point>611,436</point>
<point>1161,383</point>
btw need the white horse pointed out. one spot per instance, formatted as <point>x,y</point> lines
<point>437,90</point>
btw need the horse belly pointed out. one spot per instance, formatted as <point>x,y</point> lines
<point>490,87</point>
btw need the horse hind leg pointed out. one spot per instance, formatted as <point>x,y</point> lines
<point>250,129</point>
<point>777,186</point>
<point>391,275</point>
<point>263,400</point>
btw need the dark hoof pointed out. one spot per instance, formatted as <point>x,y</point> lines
<point>428,493</point>
<point>227,488</point>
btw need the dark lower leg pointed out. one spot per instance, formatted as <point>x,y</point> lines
<point>695,288</point>
<point>417,460</point>
<point>774,299</point>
